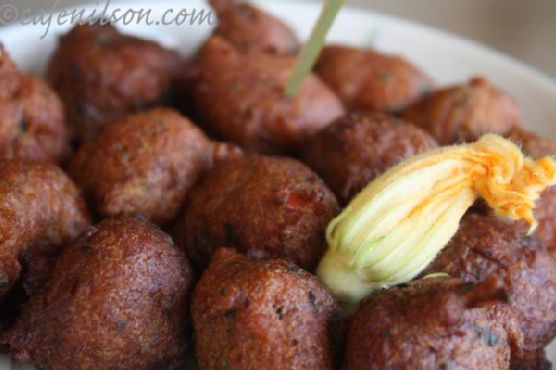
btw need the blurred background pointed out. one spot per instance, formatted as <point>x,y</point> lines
<point>525,29</point>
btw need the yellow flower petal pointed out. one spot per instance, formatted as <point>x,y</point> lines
<point>395,227</point>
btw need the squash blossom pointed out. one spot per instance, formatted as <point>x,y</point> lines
<point>394,228</point>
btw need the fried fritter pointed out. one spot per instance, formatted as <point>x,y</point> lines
<point>39,205</point>
<point>371,81</point>
<point>356,148</point>
<point>103,75</point>
<point>247,26</point>
<point>267,207</point>
<point>489,245</point>
<point>240,97</point>
<point>116,299</point>
<point>251,314</point>
<point>32,121</point>
<point>433,324</point>
<point>142,165</point>
<point>465,112</point>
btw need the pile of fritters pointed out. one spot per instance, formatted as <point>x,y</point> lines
<point>157,211</point>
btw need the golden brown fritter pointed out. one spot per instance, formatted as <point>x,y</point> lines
<point>465,112</point>
<point>116,300</point>
<point>250,314</point>
<point>39,205</point>
<point>356,148</point>
<point>433,324</point>
<point>246,26</point>
<point>240,97</point>
<point>488,245</point>
<point>267,207</point>
<point>32,122</point>
<point>142,165</point>
<point>371,81</point>
<point>103,75</point>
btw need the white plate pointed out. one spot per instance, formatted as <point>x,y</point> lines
<point>446,58</point>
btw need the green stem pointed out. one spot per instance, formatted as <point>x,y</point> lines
<point>313,47</point>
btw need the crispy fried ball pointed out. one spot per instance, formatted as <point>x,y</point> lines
<point>488,245</point>
<point>246,26</point>
<point>142,165</point>
<point>371,81</point>
<point>39,205</point>
<point>252,314</point>
<point>116,300</point>
<point>545,211</point>
<point>356,148</point>
<point>32,121</point>
<point>465,112</point>
<point>267,207</point>
<point>240,97</point>
<point>103,75</point>
<point>433,324</point>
